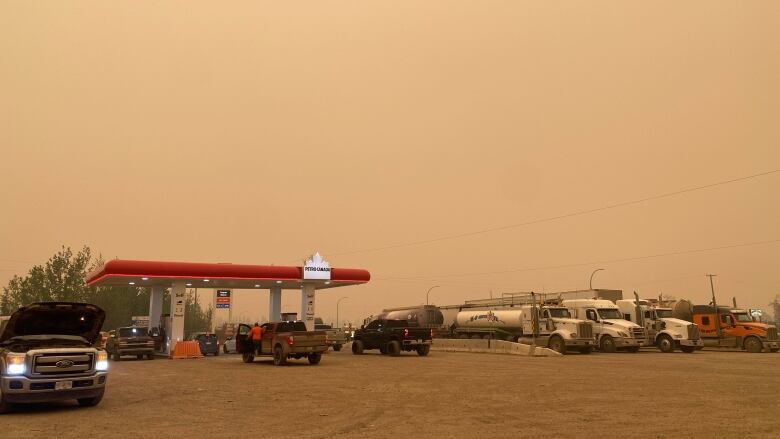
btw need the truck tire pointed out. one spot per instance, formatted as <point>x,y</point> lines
<point>91,402</point>
<point>279,358</point>
<point>607,344</point>
<point>586,350</point>
<point>383,349</point>
<point>423,350</point>
<point>5,407</point>
<point>247,357</point>
<point>357,347</point>
<point>140,356</point>
<point>688,349</point>
<point>315,358</point>
<point>336,347</point>
<point>393,348</point>
<point>773,349</point>
<point>463,336</point>
<point>557,344</point>
<point>753,345</point>
<point>665,344</point>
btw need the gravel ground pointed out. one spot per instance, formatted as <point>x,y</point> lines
<point>649,394</point>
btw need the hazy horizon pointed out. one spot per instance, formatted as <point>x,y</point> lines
<point>260,133</point>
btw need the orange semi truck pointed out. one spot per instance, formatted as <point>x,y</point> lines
<point>736,328</point>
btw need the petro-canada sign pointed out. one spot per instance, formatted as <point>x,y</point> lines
<point>316,268</point>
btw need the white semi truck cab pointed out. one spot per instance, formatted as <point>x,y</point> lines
<point>661,329</point>
<point>561,331</point>
<point>611,330</point>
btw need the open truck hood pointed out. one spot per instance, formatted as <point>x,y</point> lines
<point>56,318</point>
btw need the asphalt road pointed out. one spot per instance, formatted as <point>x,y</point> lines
<point>649,394</point>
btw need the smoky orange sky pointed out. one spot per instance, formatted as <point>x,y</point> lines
<point>259,132</point>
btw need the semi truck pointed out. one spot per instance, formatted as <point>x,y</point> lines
<point>546,325</point>
<point>611,330</point>
<point>726,327</point>
<point>661,329</point>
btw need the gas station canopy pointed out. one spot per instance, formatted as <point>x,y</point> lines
<point>120,272</point>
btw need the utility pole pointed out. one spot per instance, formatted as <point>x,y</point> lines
<point>715,304</point>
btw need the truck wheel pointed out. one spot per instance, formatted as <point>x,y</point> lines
<point>586,350</point>
<point>315,358</point>
<point>5,407</point>
<point>279,358</point>
<point>247,357</point>
<point>357,347</point>
<point>394,348</point>
<point>607,344</point>
<point>773,349</point>
<point>91,402</point>
<point>557,344</point>
<point>753,345</point>
<point>140,356</point>
<point>336,347</point>
<point>383,349</point>
<point>423,350</point>
<point>688,349</point>
<point>665,344</point>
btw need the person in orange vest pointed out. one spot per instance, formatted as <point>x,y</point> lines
<point>256,335</point>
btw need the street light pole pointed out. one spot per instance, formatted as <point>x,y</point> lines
<point>429,292</point>
<point>590,284</point>
<point>337,310</point>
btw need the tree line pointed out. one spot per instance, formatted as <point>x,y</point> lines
<point>62,278</point>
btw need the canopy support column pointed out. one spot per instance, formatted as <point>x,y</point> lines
<point>178,300</point>
<point>275,305</point>
<point>155,306</point>
<point>307,305</point>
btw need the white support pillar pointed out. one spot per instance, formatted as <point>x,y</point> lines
<point>307,305</point>
<point>275,305</point>
<point>178,299</point>
<point>155,306</point>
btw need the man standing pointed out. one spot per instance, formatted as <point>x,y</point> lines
<point>256,335</point>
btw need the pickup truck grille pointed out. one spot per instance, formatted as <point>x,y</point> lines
<point>584,330</point>
<point>771,333</point>
<point>63,364</point>
<point>693,332</point>
<point>638,333</point>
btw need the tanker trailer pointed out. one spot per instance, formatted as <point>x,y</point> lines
<point>495,324</point>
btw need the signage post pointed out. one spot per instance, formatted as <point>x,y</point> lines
<point>223,299</point>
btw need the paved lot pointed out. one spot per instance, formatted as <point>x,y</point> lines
<point>649,394</point>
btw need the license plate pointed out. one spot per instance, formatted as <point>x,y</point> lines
<point>63,385</point>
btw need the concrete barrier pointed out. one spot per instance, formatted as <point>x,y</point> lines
<point>484,346</point>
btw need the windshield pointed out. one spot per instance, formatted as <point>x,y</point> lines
<point>610,313</point>
<point>743,317</point>
<point>132,332</point>
<point>663,313</point>
<point>561,313</point>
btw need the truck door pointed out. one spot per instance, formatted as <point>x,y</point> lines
<point>269,331</point>
<point>592,315</point>
<point>242,344</point>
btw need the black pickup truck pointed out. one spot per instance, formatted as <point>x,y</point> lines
<point>391,337</point>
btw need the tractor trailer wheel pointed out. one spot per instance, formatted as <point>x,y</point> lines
<point>665,344</point>
<point>607,344</point>
<point>557,344</point>
<point>394,348</point>
<point>753,345</point>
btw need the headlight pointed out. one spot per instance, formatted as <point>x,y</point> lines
<point>622,334</point>
<point>102,361</point>
<point>15,364</point>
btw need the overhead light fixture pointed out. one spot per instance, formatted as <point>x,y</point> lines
<point>189,285</point>
<point>131,283</point>
<point>205,280</point>
<point>327,282</point>
<point>257,286</point>
<point>144,278</point>
<point>278,281</point>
